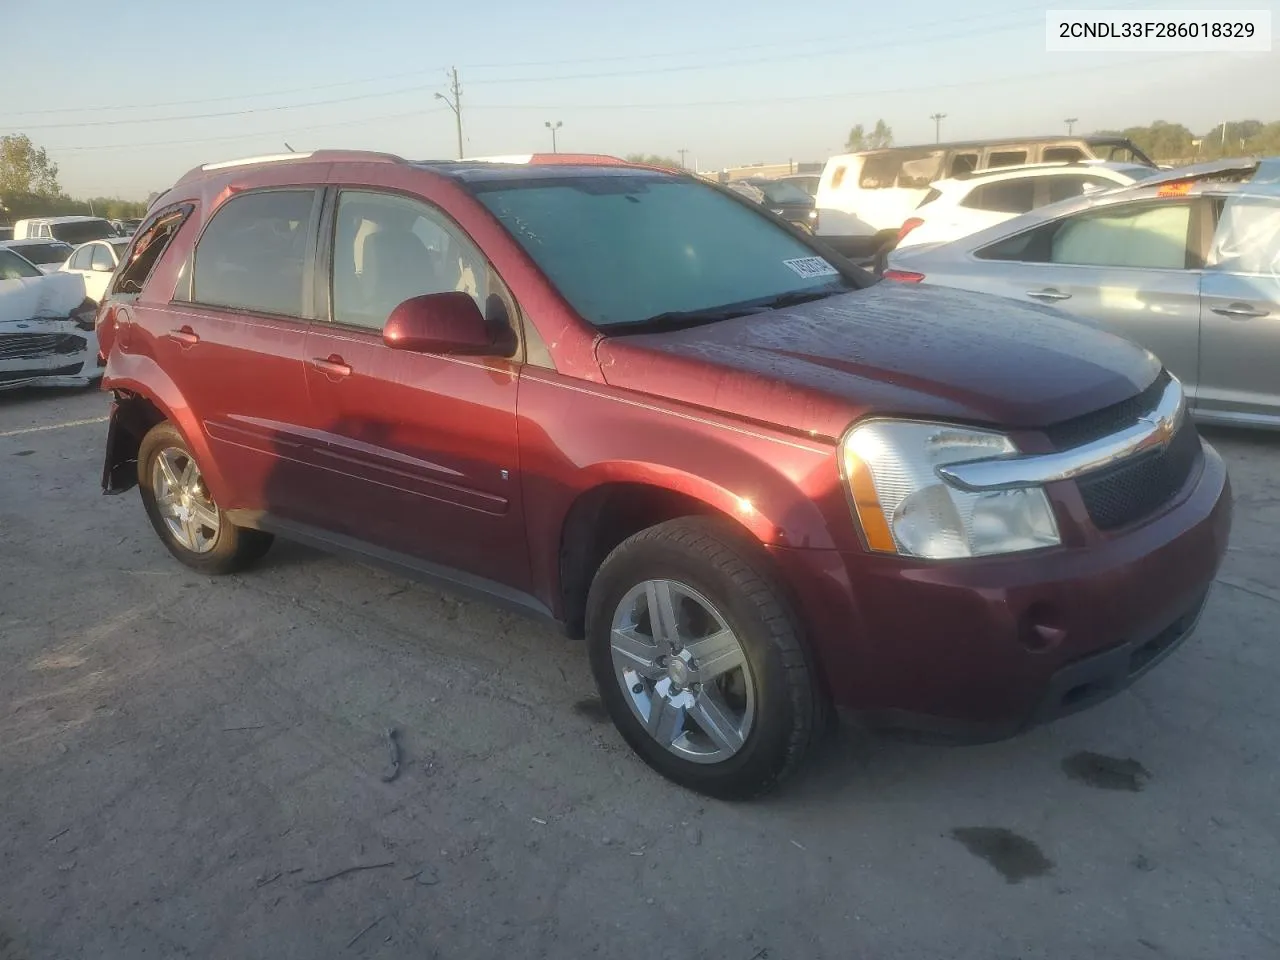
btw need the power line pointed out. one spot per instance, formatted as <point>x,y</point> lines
<point>1008,78</point>
<point>842,48</point>
<point>224,113</point>
<point>844,95</point>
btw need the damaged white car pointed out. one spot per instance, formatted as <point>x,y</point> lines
<point>46,327</point>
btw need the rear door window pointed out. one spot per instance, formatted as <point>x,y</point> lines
<point>1006,158</point>
<point>1005,196</point>
<point>1066,187</point>
<point>254,254</point>
<point>963,163</point>
<point>1247,239</point>
<point>1062,155</point>
<point>82,259</point>
<point>102,259</point>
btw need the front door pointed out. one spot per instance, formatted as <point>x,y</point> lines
<point>417,453</point>
<point>1240,313</point>
<point>1124,267</point>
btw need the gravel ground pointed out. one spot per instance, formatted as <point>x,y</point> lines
<point>187,766</point>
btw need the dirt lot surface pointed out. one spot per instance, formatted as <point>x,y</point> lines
<point>187,766</point>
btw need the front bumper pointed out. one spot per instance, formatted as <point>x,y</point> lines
<point>56,352</point>
<point>982,649</point>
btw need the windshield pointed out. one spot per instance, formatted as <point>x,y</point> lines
<point>624,249</point>
<point>53,252</point>
<point>82,231</point>
<point>13,267</point>
<point>780,192</point>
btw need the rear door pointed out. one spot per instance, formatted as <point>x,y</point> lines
<point>1131,268</point>
<point>417,452</point>
<point>233,337</point>
<point>1240,312</point>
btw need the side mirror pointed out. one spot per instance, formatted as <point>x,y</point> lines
<point>440,323</point>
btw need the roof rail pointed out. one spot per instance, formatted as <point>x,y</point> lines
<point>554,159</point>
<point>366,156</point>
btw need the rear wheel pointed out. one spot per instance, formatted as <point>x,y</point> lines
<point>184,515</point>
<point>698,660</point>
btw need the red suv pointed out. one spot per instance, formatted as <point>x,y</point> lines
<point>757,482</point>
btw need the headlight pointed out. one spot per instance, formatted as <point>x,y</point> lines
<point>905,507</point>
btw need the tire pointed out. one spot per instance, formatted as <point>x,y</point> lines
<point>768,708</point>
<point>220,546</point>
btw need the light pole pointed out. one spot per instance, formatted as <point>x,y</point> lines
<point>454,103</point>
<point>682,153</point>
<point>1071,124</point>
<point>937,119</point>
<point>553,127</point>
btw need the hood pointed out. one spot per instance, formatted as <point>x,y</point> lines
<point>892,349</point>
<point>52,295</point>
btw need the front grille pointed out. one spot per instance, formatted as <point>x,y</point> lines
<point>1109,420</point>
<point>1138,487</point>
<point>23,346</point>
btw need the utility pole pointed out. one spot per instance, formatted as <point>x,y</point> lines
<point>1224,138</point>
<point>553,127</point>
<point>454,103</point>
<point>1071,125</point>
<point>937,119</point>
<point>682,152</point>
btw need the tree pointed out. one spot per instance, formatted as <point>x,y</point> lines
<point>881,136</point>
<point>859,139</point>
<point>653,160</point>
<point>24,168</point>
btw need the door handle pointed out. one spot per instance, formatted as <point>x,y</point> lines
<point>1049,294</point>
<point>1241,311</point>
<point>185,336</point>
<point>332,366</point>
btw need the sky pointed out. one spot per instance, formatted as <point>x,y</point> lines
<point>135,98</point>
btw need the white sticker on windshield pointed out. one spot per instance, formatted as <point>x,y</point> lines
<point>809,267</point>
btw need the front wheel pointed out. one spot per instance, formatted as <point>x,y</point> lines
<point>184,515</point>
<point>698,660</point>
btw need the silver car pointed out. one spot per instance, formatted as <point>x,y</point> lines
<point>1186,263</point>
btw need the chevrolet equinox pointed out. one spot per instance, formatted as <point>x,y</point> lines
<point>759,484</point>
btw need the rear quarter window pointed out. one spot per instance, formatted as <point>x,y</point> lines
<point>139,261</point>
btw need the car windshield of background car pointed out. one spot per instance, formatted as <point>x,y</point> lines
<point>622,249</point>
<point>82,232</point>
<point>45,253</point>
<point>783,193</point>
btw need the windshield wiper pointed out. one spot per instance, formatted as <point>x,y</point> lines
<point>674,320</point>
<point>796,297</point>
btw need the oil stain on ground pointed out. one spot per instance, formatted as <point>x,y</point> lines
<point>592,709</point>
<point>1105,773</point>
<point>1015,857</point>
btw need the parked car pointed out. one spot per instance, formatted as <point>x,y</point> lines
<point>788,201</point>
<point>959,206</point>
<point>95,262</point>
<point>46,327</point>
<point>808,182</point>
<point>865,197</point>
<point>126,227</point>
<point>1185,263</point>
<point>72,230</point>
<point>757,482</point>
<point>47,255</point>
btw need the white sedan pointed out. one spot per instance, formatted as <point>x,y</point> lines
<point>95,262</point>
<point>47,255</point>
<point>46,327</point>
